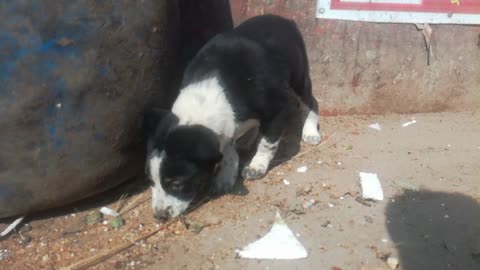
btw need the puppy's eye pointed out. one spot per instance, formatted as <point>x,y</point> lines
<point>177,186</point>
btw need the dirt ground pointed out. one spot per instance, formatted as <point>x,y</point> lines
<point>429,219</point>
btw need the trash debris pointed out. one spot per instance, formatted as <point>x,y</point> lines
<point>371,187</point>
<point>302,169</point>
<point>279,243</point>
<point>427,34</point>
<point>309,203</point>
<point>93,218</point>
<point>375,126</point>
<point>331,205</point>
<point>109,212</point>
<point>326,224</point>
<point>368,219</point>
<point>393,262</point>
<point>286,182</point>
<point>303,191</point>
<point>194,227</point>
<point>406,185</point>
<point>297,209</point>
<point>11,227</point>
<point>406,124</point>
<point>197,228</point>
<point>363,201</point>
<point>117,222</point>
<point>4,253</point>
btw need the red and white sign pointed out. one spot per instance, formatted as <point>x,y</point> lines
<point>402,11</point>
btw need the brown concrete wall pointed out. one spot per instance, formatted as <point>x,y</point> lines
<point>372,68</point>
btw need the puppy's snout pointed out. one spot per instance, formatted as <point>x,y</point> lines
<point>162,214</point>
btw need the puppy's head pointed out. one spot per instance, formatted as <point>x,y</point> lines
<point>179,164</point>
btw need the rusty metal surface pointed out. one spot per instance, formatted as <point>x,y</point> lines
<point>371,68</point>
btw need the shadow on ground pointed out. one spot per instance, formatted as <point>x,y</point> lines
<point>435,231</point>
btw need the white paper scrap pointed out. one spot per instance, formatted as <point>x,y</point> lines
<point>11,227</point>
<point>279,243</point>
<point>302,169</point>
<point>409,123</point>
<point>286,182</point>
<point>375,126</point>
<point>109,212</point>
<point>371,187</point>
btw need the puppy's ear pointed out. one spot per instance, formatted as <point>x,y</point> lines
<point>152,119</point>
<point>208,153</point>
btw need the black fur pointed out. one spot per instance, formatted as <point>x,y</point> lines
<point>259,65</point>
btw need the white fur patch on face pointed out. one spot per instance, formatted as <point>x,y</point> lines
<point>163,204</point>
<point>205,103</point>
<point>310,133</point>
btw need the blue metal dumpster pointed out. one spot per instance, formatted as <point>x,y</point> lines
<point>75,79</point>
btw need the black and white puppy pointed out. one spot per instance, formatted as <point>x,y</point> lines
<point>239,80</point>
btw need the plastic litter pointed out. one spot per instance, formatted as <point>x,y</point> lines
<point>371,187</point>
<point>279,243</point>
<point>375,126</point>
<point>406,124</point>
<point>109,212</point>
<point>302,169</point>
<point>11,227</point>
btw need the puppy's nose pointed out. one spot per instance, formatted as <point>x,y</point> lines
<point>161,215</point>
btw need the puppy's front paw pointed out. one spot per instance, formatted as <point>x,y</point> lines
<point>312,138</point>
<point>223,187</point>
<point>254,172</point>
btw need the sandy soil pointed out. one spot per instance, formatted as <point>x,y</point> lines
<point>430,218</point>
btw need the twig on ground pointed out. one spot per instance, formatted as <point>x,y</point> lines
<point>134,203</point>
<point>315,147</point>
<point>104,255</point>
<point>308,150</point>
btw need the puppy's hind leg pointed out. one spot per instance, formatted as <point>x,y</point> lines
<point>310,131</point>
<point>227,175</point>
